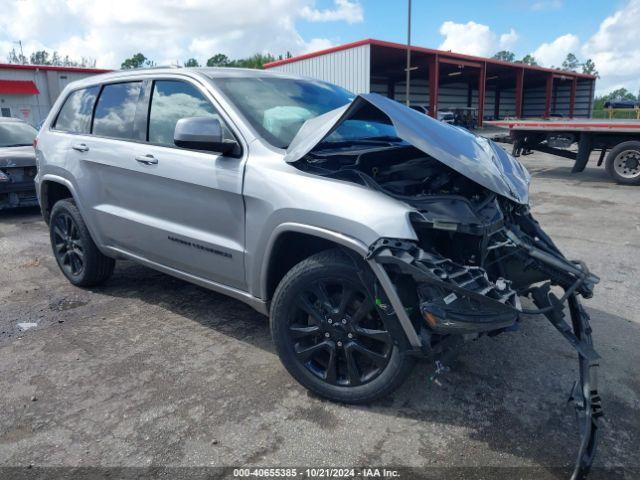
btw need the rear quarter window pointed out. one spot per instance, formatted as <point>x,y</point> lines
<point>116,110</point>
<point>75,114</point>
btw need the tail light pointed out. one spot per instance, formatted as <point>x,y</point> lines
<point>35,143</point>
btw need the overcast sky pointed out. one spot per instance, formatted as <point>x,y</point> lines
<point>170,31</point>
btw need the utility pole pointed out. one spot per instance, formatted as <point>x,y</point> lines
<point>408,81</point>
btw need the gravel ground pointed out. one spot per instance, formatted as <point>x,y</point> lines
<point>151,371</point>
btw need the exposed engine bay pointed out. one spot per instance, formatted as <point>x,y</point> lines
<point>479,251</point>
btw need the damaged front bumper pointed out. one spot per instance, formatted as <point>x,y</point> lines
<point>450,300</point>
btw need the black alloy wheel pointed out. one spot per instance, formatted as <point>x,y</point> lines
<point>337,333</point>
<point>67,244</point>
<point>80,260</point>
<point>329,334</point>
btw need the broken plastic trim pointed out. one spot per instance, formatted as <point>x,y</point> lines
<point>427,268</point>
<point>584,393</point>
<point>471,303</point>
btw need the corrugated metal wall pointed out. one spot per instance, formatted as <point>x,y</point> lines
<point>450,96</point>
<point>455,95</point>
<point>583,101</point>
<point>347,68</point>
<point>534,98</point>
<point>34,108</point>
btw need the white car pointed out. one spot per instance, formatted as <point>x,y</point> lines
<point>443,115</point>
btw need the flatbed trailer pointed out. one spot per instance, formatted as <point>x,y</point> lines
<point>621,138</point>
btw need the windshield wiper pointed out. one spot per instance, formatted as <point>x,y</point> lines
<point>17,145</point>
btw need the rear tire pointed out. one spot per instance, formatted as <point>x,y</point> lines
<point>623,163</point>
<point>76,253</point>
<point>322,307</point>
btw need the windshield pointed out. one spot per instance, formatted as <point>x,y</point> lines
<point>16,134</point>
<point>277,107</point>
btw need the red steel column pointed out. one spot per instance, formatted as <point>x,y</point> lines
<point>548,94</point>
<point>519,91</point>
<point>482,83</point>
<point>572,96</point>
<point>434,78</point>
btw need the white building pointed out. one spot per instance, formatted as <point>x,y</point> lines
<point>29,91</point>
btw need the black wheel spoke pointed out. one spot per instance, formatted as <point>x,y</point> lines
<point>380,335</point>
<point>73,233</point>
<point>302,332</point>
<point>75,262</point>
<point>363,309</point>
<point>353,372</point>
<point>58,232</point>
<point>347,296</point>
<point>305,353</point>
<point>376,358</point>
<point>310,309</point>
<point>319,290</point>
<point>331,375</point>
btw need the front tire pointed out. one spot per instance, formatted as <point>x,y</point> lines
<point>329,334</point>
<point>76,253</point>
<point>623,163</point>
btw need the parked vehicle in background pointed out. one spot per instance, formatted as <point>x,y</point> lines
<point>443,115</point>
<point>17,164</point>
<point>370,234</point>
<point>621,103</point>
<point>621,138</point>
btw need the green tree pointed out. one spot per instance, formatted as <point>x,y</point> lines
<point>40,57</point>
<point>570,63</point>
<point>192,62</point>
<point>15,57</point>
<point>529,59</point>
<point>218,60</point>
<point>505,56</point>
<point>137,61</point>
<point>589,68</point>
<point>43,57</point>
<point>254,61</point>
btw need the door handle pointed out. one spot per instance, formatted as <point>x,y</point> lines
<point>147,159</point>
<point>80,147</point>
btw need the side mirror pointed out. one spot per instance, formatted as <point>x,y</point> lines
<point>202,133</point>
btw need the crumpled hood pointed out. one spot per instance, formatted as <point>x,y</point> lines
<point>17,157</point>
<point>476,158</point>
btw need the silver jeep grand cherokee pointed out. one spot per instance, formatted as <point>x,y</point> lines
<point>369,233</point>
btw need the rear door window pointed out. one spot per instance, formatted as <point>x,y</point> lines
<point>172,100</point>
<point>75,115</point>
<point>116,110</point>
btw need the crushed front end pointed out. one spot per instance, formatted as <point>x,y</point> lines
<point>465,279</point>
<point>17,173</point>
<point>477,250</point>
